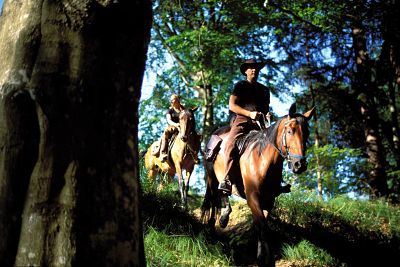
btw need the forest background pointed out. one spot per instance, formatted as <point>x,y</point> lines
<point>70,84</point>
<point>340,56</point>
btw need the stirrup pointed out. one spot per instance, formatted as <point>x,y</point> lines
<point>225,186</point>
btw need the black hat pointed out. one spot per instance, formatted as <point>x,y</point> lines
<point>251,62</point>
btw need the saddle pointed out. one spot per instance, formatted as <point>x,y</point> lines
<point>213,146</point>
<point>155,151</point>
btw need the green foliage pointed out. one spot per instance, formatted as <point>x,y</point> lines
<point>308,46</point>
<point>341,169</point>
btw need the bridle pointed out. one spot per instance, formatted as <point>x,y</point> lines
<point>188,149</point>
<point>184,112</point>
<point>283,144</point>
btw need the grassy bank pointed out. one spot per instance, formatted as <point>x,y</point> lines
<point>305,231</point>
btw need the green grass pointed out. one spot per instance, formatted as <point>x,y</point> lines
<point>307,254</point>
<point>369,217</point>
<point>338,231</point>
<point>173,236</point>
<point>164,249</point>
<point>308,230</point>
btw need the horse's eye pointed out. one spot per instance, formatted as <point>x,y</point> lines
<point>290,131</point>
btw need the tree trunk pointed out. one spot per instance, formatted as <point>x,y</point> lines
<point>70,80</point>
<point>366,89</point>
<point>390,56</point>
<point>315,118</point>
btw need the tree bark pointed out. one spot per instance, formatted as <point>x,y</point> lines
<point>365,89</point>
<point>70,83</point>
<point>315,126</point>
<point>390,56</point>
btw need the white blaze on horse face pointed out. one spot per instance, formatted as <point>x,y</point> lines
<point>182,128</point>
<point>185,124</point>
<point>294,140</point>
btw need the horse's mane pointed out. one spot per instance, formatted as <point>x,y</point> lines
<point>260,139</point>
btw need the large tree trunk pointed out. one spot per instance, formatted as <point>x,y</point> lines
<point>365,89</point>
<point>70,79</point>
<point>390,57</point>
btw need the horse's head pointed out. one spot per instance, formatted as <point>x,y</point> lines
<point>294,138</point>
<point>186,123</point>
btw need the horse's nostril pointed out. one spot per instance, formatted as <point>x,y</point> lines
<point>184,138</point>
<point>297,164</point>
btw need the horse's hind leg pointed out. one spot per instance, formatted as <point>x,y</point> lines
<point>211,200</point>
<point>151,175</point>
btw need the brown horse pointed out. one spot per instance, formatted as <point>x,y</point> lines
<point>182,155</point>
<point>259,173</point>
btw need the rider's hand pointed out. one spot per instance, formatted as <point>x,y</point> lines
<point>254,114</point>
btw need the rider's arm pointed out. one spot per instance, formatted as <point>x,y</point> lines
<point>234,107</point>
<point>170,122</point>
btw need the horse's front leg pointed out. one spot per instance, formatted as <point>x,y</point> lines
<point>225,211</point>
<point>186,180</point>
<point>264,257</point>
<point>181,184</point>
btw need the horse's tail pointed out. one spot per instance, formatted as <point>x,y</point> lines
<point>142,153</point>
<point>211,203</point>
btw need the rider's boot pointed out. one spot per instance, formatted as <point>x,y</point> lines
<point>163,149</point>
<point>225,186</point>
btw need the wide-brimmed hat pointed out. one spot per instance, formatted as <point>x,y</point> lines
<point>251,62</point>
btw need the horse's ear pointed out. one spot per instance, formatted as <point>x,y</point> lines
<point>194,109</point>
<point>292,110</point>
<point>309,113</point>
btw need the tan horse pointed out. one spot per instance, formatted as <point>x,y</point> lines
<point>182,155</point>
<point>259,174</point>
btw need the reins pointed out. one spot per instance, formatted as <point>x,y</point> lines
<point>192,152</point>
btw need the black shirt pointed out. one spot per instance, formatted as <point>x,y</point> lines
<point>174,115</point>
<point>252,96</point>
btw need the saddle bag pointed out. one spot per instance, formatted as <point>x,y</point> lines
<point>155,151</point>
<point>213,147</point>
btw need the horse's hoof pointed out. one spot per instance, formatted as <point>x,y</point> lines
<point>286,188</point>
<point>224,219</point>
